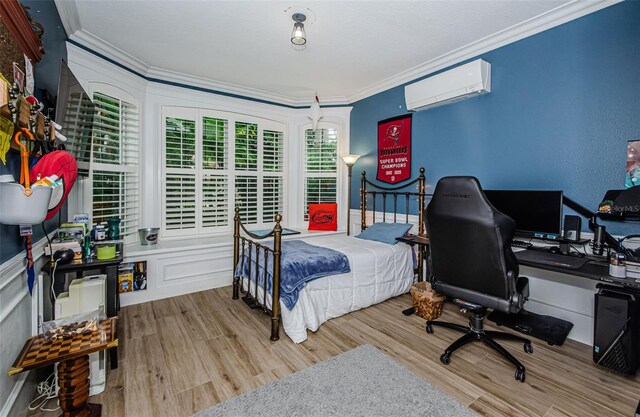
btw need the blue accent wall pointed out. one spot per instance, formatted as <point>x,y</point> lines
<point>46,75</point>
<point>563,105</point>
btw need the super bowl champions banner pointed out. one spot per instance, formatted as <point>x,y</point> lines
<point>394,149</point>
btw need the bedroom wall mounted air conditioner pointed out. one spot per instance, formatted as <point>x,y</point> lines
<point>468,80</point>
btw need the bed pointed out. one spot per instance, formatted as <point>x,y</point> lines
<point>376,271</point>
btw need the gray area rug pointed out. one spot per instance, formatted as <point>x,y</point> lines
<point>361,382</point>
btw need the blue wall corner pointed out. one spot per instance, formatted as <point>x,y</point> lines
<point>46,75</point>
<point>563,105</point>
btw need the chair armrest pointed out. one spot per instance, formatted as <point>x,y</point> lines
<point>520,295</point>
<point>522,287</point>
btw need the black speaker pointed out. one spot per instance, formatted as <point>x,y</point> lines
<point>615,336</point>
<point>572,226</point>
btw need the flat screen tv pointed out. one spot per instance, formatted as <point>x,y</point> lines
<point>74,112</point>
<point>536,213</point>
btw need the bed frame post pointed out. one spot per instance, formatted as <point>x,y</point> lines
<point>421,198</point>
<point>275,296</point>
<point>363,202</point>
<point>236,253</point>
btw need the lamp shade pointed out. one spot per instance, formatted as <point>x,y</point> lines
<point>350,159</point>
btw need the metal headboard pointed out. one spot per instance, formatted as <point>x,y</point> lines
<point>394,192</point>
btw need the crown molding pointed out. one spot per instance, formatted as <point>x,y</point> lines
<point>552,18</point>
<point>68,15</point>
<point>97,45</point>
<point>193,81</point>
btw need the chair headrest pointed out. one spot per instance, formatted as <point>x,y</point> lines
<point>460,193</point>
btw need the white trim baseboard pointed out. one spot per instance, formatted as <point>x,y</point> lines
<point>13,395</point>
<point>10,271</point>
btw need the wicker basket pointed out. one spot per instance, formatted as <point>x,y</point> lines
<point>428,304</point>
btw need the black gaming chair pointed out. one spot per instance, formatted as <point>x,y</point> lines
<point>471,262</point>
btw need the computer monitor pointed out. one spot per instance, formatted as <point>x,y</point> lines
<point>536,213</point>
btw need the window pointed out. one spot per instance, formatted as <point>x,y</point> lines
<point>78,124</point>
<point>215,161</point>
<point>113,164</point>
<point>321,167</point>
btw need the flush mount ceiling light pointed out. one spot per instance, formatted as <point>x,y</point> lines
<point>298,36</point>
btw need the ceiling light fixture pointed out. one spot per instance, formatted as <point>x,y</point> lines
<point>298,36</point>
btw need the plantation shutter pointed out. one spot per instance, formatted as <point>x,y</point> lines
<point>180,143</point>
<point>78,124</point>
<point>180,205</point>
<point>246,135</point>
<point>217,161</point>
<point>247,198</point>
<point>272,199</point>
<point>214,192</point>
<point>180,176</point>
<point>214,143</point>
<point>215,200</point>
<point>272,184</point>
<point>272,149</point>
<point>114,163</point>
<point>321,167</point>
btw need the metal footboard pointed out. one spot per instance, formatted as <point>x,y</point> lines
<point>256,255</point>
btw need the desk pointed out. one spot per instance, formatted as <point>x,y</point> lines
<point>73,369</point>
<point>109,267</point>
<point>596,269</point>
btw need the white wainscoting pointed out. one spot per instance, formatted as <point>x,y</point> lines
<point>16,326</point>
<point>177,267</point>
<point>182,271</point>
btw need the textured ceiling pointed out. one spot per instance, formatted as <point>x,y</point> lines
<point>352,45</point>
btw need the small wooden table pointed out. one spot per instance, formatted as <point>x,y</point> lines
<point>73,369</point>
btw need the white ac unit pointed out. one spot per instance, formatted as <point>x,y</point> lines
<point>468,80</point>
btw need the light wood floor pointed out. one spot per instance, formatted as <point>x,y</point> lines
<point>187,353</point>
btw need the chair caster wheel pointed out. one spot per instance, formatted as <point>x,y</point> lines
<point>445,359</point>
<point>528,348</point>
<point>429,329</point>
<point>520,375</point>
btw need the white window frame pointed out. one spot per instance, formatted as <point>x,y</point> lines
<point>340,175</point>
<point>81,198</point>
<point>230,170</point>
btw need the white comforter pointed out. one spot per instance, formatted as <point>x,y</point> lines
<point>378,272</point>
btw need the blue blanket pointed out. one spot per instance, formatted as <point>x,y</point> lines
<point>299,264</point>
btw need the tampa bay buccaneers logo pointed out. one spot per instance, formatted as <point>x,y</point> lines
<point>322,217</point>
<point>393,133</point>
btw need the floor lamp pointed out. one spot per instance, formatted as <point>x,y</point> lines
<point>350,160</point>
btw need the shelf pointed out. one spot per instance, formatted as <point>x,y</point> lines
<point>619,216</point>
<point>549,239</point>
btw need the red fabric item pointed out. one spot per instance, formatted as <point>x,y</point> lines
<point>58,166</point>
<point>323,216</point>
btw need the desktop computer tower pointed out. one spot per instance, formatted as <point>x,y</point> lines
<point>615,337</point>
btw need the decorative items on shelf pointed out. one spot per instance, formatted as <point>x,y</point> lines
<point>20,203</point>
<point>40,192</point>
